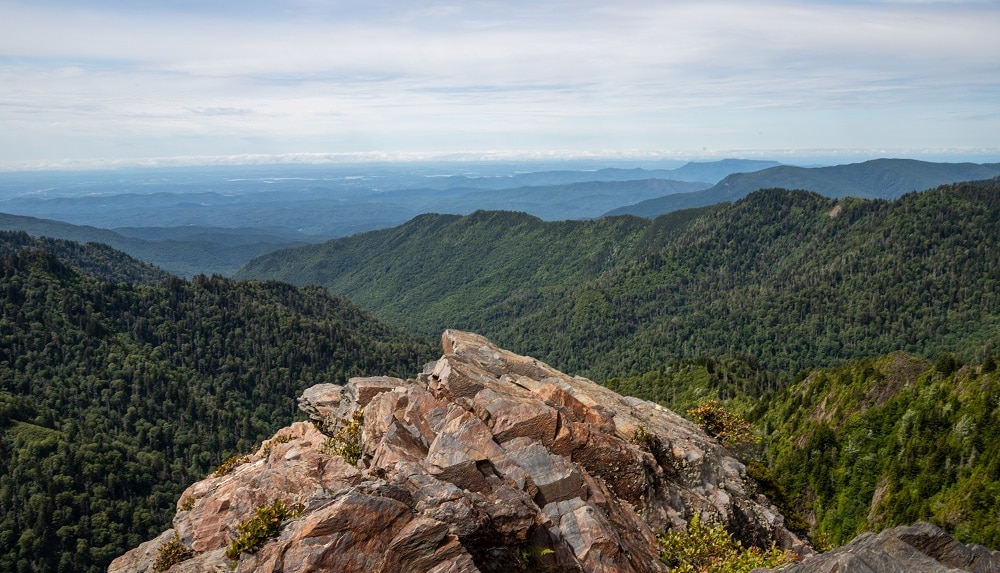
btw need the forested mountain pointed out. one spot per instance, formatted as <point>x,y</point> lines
<point>890,441</point>
<point>876,179</point>
<point>116,396</point>
<point>93,258</point>
<point>873,444</point>
<point>791,278</point>
<point>441,271</point>
<point>184,251</point>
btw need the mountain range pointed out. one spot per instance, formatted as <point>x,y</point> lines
<point>212,221</point>
<point>875,179</point>
<point>789,277</point>
<point>122,386</point>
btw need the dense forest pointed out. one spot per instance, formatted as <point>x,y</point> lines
<point>448,271</point>
<point>865,446</point>
<point>114,396</point>
<point>791,278</point>
<point>96,259</point>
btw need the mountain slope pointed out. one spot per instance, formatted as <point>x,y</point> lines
<point>876,179</point>
<point>93,258</point>
<point>694,172</point>
<point>791,278</point>
<point>114,397</point>
<point>442,271</point>
<point>889,441</point>
<point>794,280</point>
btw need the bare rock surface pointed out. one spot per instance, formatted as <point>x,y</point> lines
<point>486,461</point>
<point>920,548</point>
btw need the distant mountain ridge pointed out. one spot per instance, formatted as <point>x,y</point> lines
<point>183,251</point>
<point>875,179</point>
<point>692,172</point>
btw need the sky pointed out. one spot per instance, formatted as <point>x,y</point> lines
<point>113,81</point>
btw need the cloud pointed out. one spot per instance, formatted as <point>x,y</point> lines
<point>316,75</point>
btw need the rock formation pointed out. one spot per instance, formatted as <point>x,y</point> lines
<point>921,548</point>
<point>487,461</point>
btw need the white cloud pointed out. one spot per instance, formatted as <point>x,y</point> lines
<point>317,75</point>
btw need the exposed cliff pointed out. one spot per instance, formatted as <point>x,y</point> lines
<point>487,461</point>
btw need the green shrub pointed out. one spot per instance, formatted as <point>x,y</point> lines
<point>711,549</point>
<point>258,529</point>
<point>346,443</point>
<point>170,554</point>
<point>283,439</point>
<point>728,427</point>
<point>229,465</point>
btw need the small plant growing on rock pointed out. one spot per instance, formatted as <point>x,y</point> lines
<point>728,427</point>
<point>254,532</point>
<point>283,439</point>
<point>711,549</point>
<point>346,443</point>
<point>231,464</point>
<point>170,554</point>
<point>528,553</point>
<point>189,502</point>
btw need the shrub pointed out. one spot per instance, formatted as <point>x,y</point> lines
<point>231,464</point>
<point>346,443</point>
<point>170,554</point>
<point>711,549</point>
<point>728,427</point>
<point>258,529</point>
<point>282,439</point>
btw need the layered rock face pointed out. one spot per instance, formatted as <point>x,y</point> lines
<point>486,461</point>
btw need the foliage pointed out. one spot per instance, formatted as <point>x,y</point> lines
<point>711,549</point>
<point>265,524</point>
<point>728,427</point>
<point>269,445</point>
<point>890,441</point>
<point>528,553</point>
<point>93,258</point>
<point>171,553</point>
<point>231,463</point>
<point>114,397</point>
<point>346,443</point>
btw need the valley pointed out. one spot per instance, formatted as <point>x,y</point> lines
<point>857,330</point>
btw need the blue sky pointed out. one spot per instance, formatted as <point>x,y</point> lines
<point>87,81</point>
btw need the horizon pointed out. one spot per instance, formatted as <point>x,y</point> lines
<point>95,84</point>
<point>542,160</point>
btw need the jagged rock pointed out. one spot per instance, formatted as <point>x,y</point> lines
<point>320,403</point>
<point>920,548</point>
<point>487,461</point>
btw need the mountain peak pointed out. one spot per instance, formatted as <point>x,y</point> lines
<point>486,461</point>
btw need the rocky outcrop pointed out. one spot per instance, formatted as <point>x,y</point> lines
<point>486,461</point>
<point>921,548</point>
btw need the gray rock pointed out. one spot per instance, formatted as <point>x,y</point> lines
<point>920,548</point>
